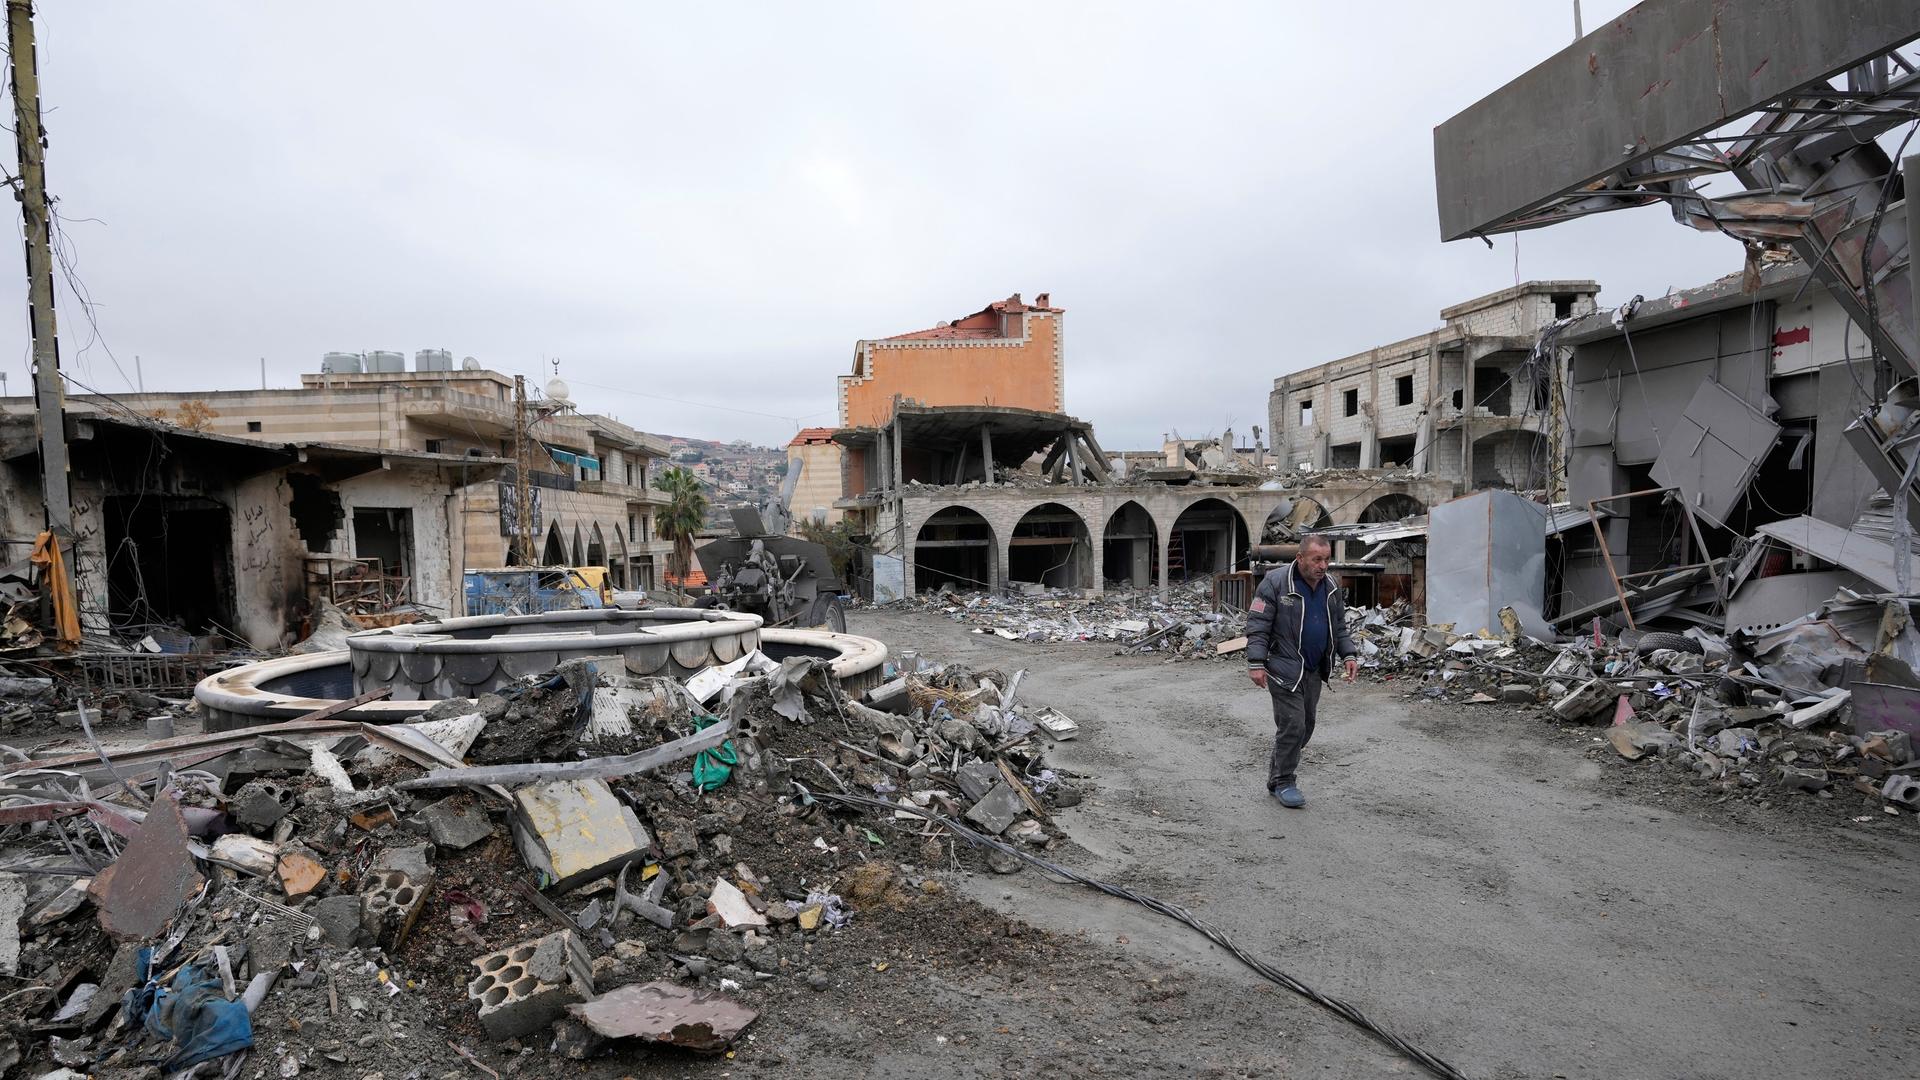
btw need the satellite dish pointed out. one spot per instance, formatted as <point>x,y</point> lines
<point>557,389</point>
<point>469,364</point>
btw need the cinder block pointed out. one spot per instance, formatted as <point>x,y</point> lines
<point>525,987</point>
<point>390,902</point>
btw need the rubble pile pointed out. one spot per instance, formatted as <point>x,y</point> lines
<point>1825,705</point>
<point>584,863</point>
<point>1183,626</point>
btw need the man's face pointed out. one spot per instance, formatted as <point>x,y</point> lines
<point>1312,562</point>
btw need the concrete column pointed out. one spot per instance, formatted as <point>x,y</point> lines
<point>986,450</point>
<point>1166,534</point>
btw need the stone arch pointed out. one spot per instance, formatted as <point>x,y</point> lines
<point>555,551</point>
<point>596,547</point>
<point>955,545</point>
<point>1051,545</point>
<point>1209,537</point>
<point>1393,506</point>
<point>1516,460</point>
<point>1130,544</point>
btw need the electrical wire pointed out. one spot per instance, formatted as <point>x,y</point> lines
<point>1342,1009</point>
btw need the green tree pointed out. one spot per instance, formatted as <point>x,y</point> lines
<point>685,512</point>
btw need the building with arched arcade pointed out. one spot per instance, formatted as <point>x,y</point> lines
<point>950,502</point>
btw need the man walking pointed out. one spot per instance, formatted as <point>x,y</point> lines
<point>1295,627</point>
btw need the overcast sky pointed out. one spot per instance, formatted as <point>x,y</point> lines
<point>714,202</point>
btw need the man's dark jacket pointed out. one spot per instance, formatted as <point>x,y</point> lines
<point>1273,628</point>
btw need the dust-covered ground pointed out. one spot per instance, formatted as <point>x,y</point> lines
<point>1503,891</point>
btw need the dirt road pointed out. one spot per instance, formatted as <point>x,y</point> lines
<point>1472,879</point>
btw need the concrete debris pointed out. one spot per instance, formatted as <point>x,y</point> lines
<point>730,904</point>
<point>663,1012</point>
<point>525,987</point>
<point>347,889</point>
<point>139,895</point>
<point>1181,626</point>
<point>574,831</point>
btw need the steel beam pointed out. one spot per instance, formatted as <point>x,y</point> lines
<point>1666,72</point>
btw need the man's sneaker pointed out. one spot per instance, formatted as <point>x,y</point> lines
<point>1290,797</point>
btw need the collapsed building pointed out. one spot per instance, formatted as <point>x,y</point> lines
<point>198,541</point>
<point>990,498</point>
<point>593,501</point>
<point>1466,403</point>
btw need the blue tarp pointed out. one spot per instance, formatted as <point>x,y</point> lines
<point>191,1013</point>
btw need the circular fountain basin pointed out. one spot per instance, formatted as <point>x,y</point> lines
<point>289,687</point>
<point>472,656</point>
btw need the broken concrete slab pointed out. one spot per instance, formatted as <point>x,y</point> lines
<point>997,810</point>
<point>976,778</point>
<point>260,804</point>
<point>62,904</point>
<point>338,918</point>
<point>575,831</point>
<point>457,822</point>
<point>416,861</point>
<point>142,891</point>
<point>663,1012</point>
<point>525,987</point>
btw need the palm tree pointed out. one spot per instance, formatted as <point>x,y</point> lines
<point>685,512</point>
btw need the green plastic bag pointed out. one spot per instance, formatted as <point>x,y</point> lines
<point>711,768</point>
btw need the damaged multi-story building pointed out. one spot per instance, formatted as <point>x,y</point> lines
<point>593,500</point>
<point>990,484</point>
<point>1460,404</point>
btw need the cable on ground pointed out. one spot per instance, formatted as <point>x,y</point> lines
<point>1342,1009</point>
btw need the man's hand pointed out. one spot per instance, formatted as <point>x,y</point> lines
<point>1353,669</point>
<point>1259,676</point>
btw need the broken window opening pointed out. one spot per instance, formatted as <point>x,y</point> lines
<point>1350,402</point>
<point>1403,390</point>
<point>316,511</point>
<point>253,427</point>
<point>1306,412</point>
<point>436,446</point>
<point>1396,451</point>
<point>1493,390</point>
<point>1344,456</point>
<point>1563,305</point>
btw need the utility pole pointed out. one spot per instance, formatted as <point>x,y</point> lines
<point>1578,33</point>
<point>522,475</point>
<point>49,398</point>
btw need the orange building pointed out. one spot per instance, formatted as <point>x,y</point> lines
<point>1008,353</point>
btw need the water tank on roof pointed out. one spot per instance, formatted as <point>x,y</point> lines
<point>433,360</point>
<point>340,363</point>
<point>386,360</point>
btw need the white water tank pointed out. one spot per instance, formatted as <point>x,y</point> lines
<point>433,360</point>
<point>340,363</point>
<point>385,360</point>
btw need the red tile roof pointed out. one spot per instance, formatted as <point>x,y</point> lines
<point>982,324</point>
<point>812,435</point>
